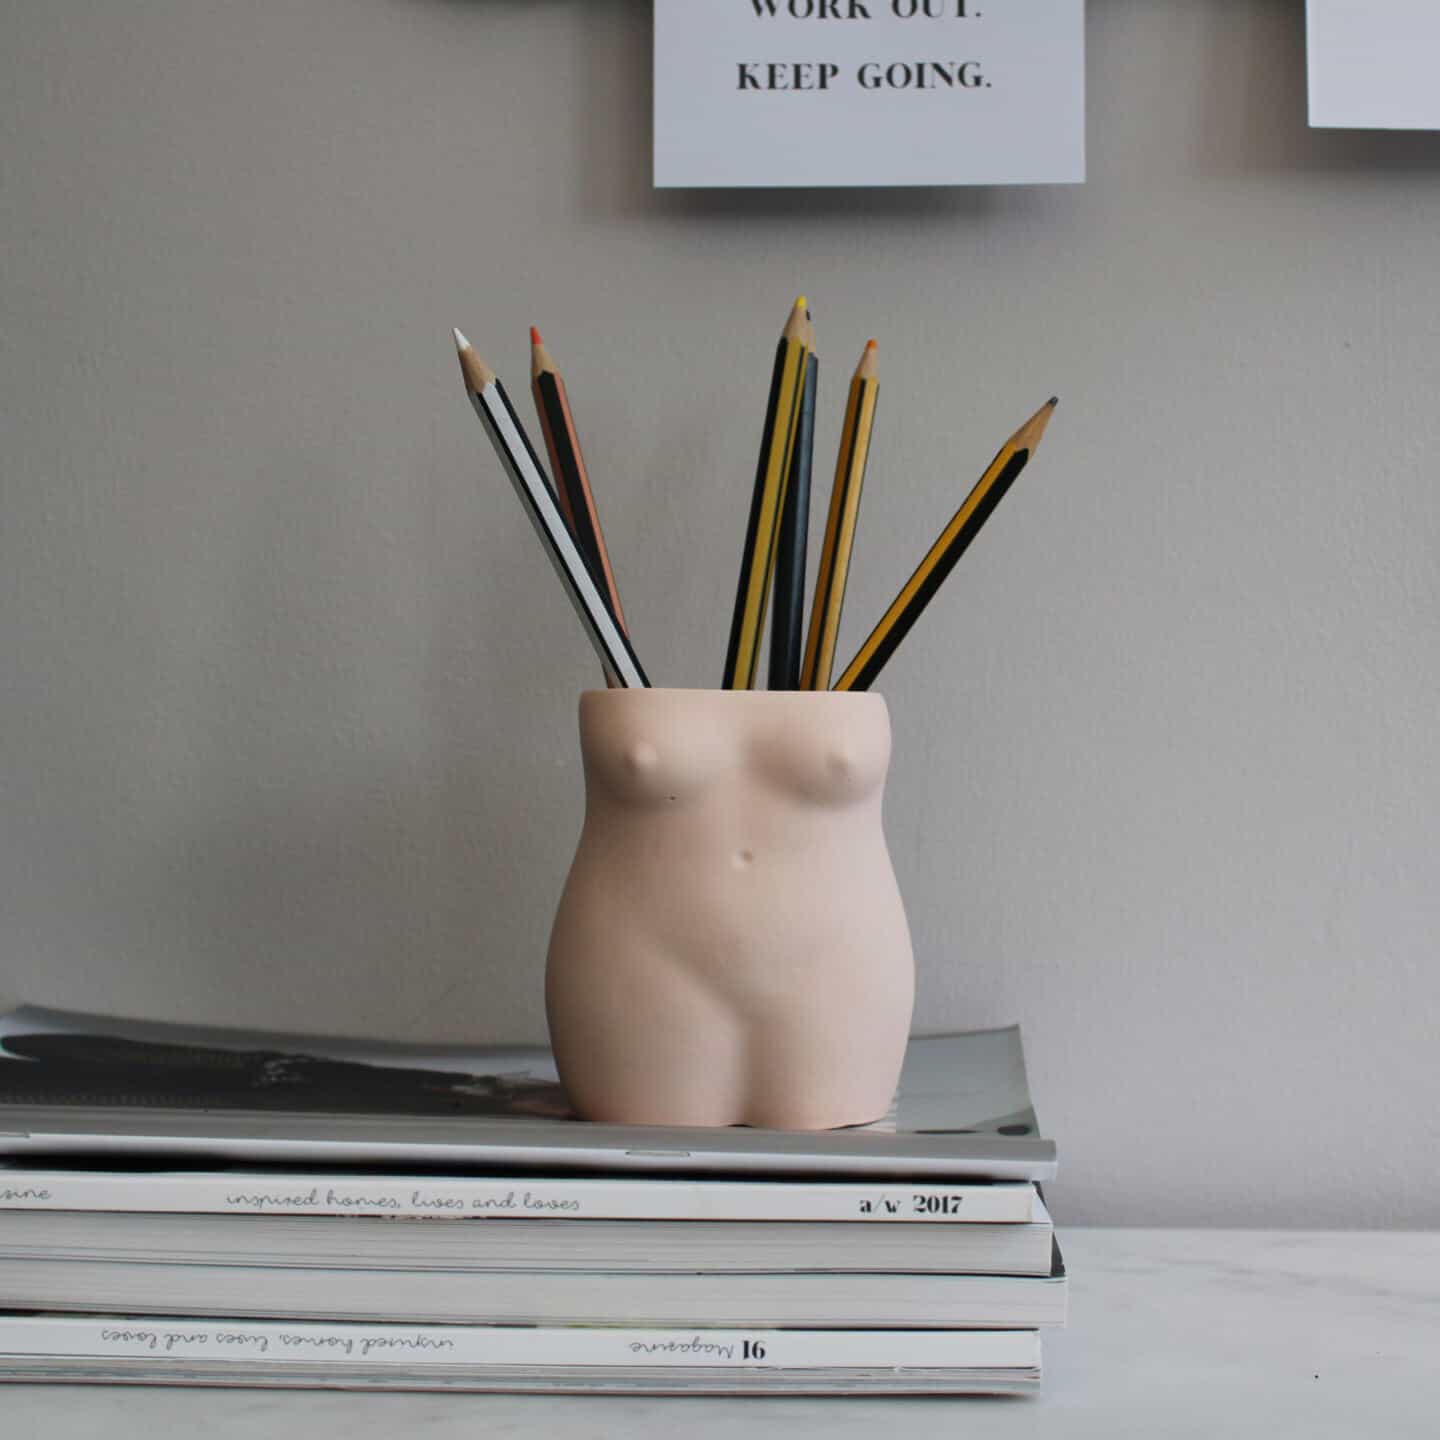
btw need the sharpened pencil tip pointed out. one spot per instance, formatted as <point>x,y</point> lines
<point>872,345</point>
<point>535,336</point>
<point>476,372</point>
<point>797,323</point>
<point>801,303</point>
<point>1027,437</point>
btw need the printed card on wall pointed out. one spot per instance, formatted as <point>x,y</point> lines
<point>869,92</point>
<point>1373,66</point>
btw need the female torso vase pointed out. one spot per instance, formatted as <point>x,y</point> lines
<point>731,946</point>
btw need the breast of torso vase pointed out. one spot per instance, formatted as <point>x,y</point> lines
<point>731,945</point>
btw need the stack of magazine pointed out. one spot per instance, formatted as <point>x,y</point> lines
<point>197,1206</point>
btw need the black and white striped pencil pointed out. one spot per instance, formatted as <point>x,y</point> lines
<point>952,543</point>
<point>521,464</point>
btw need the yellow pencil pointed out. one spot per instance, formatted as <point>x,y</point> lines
<point>747,626</point>
<point>840,523</point>
<point>920,588</point>
<point>787,624</point>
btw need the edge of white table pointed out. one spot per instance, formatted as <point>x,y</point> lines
<point>1172,1332</point>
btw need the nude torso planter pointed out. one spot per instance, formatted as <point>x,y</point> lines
<point>731,946</point>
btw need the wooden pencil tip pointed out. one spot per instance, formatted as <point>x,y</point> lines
<point>535,336</point>
<point>1027,437</point>
<point>797,323</point>
<point>476,372</point>
<point>801,303</point>
<point>873,345</point>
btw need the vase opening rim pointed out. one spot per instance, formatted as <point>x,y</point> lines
<point>621,694</point>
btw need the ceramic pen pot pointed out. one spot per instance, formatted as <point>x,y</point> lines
<point>731,947</point>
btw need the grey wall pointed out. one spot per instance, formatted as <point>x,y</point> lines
<point>287,726</point>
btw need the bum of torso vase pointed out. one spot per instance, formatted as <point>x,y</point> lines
<point>731,945</point>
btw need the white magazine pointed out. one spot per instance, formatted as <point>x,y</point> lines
<point>150,1350</point>
<point>350,1193</point>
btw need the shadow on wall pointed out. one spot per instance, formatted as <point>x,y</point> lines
<point>1248,54</point>
<point>618,157</point>
<point>613,132</point>
<point>358,836</point>
<point>1254,64</point>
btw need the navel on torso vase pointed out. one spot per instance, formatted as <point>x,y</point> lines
<point>731,945</point>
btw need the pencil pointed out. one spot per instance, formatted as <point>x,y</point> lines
<point>567,463</point>
<point>954,540</point>
<point>787,627</point>
<point>519,460</point>
<point>840,524</point>
<point>747,625</point>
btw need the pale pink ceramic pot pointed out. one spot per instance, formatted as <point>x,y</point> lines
<point>731,946</point>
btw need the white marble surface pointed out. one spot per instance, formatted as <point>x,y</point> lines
<point>1172,1332</point>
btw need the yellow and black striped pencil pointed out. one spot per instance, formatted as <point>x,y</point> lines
<point>840,524</point>
<point>787,626</point>
<point>747,625</point>
<point>522,465</point>
<point>920,588</point>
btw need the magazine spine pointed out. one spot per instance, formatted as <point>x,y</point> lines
<point>462,1197</point>
<point>340,1345</point>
